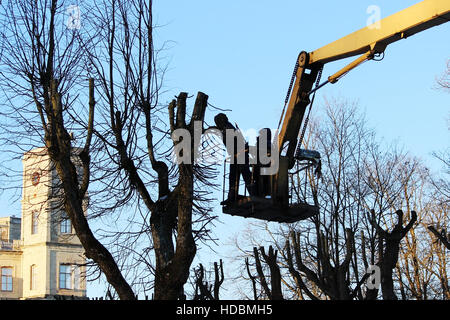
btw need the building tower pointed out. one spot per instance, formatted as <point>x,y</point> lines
<point>52,258</point>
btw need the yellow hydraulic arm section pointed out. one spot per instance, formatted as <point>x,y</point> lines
<point>365,42</point>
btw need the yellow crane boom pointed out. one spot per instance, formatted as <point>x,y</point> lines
<point>269,197</point>
<point>367,42</point>
<point>403,24</point>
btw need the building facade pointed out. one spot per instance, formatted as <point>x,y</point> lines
<point>40,255</point>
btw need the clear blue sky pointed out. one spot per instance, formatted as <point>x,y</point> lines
<point>241,53</point>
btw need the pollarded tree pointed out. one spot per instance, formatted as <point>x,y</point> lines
<point>274,290</point>
<point>203,289</point>
<point>140,136</point>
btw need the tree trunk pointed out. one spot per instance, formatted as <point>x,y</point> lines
<point>60,151</point>
<point>93,248</point>
<point>173,264</point>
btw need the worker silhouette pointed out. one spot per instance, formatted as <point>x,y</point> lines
<point>239,164</point>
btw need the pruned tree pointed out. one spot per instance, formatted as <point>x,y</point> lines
<point>389,250</point>
<point>172,212</point>
<point>420,272</point>
<point>332,280</point>
<point>274,291</point>
<point>203,289</point>
<point>150,168</point>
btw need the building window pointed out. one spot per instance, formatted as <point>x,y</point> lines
<point>33,277</point>
<point>6,279</point>
<point>69,276</point>
<point>35,178</point>
<point>65,276</point>
<point>65,225</point>
<point>34,222</point>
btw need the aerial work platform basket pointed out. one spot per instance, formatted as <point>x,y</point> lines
<point>267,193</point>
<point>264,209</point>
